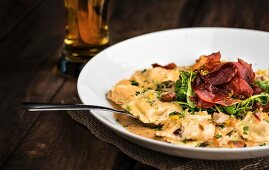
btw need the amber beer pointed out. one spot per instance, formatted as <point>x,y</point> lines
<point>86,33</point>
<point>87,29</point>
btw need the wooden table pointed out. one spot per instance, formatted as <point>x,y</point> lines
<point>31,37</point>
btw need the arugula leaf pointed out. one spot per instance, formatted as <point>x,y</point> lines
<point>242,107</point>
<point>183,87</point>
<point>261,98</point>
<point>230,109</point>
<point>190,91</point>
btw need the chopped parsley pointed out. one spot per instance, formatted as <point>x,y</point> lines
<point>146,81</point>
<point>158,95</point>
<point>230,133</point>
<point>137,93</point>
<point>187,140</point>
<point>134,83</point>
<point>143,71</point>
<point>159,127</point>
<point>165,85</point>
<point>150,102</point>
<point>218,136</point>
<point>146,89</point>
<point>203,144</point>
<point>245,129</point>
<point>221,126</point>
<point>181,115</point>
<point>128,108</point>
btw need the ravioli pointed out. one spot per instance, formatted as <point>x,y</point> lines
<point>197,127</point>
<point>141,100</point>
<point>149,109</point>
<point>253,129</point>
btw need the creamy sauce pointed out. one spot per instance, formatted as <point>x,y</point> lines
<point>137,127</point>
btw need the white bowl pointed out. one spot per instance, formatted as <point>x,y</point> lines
<point>182,46</point>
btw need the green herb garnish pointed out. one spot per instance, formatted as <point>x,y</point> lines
<point>221,126</point>
<point>137,93</point>
<point>128,108</point>
<point>241,108</point>
<point>230,133</point>
<point>230,109</point>
<point>203,144</point>
<point>245,129</point>
<point>218,136</point>
<point>184,89</point>
<point>187,140</point>
<point>134,83</point>
<point>181,115</point>
<point>159,127</point>
<point>143,71</point>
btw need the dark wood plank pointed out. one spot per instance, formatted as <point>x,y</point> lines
<point>58,142</point>
<point>139,166</point>
<point>234,13</point>
<point>12,16</point>
<point>28,57</point>
<point>123,161</point>
<point>135,17</point>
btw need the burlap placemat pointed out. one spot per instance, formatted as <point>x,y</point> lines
<point>156,159</point>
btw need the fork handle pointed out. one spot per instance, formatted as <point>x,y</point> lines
<point>30,106</point>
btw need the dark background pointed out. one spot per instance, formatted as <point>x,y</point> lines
<point>31,37</point>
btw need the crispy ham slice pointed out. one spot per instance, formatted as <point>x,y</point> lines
<point>223,75</point>
<point>211,94</point>
<point>239,87</point>
<point>217,82</point>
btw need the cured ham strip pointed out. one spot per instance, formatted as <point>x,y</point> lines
<point>218,81</point>
<point>245,71</point>
<point>202,104</point>
<point>239,87</point>
<point>223,75</point>
<point>257,90</point>
<point>211,94</point>
<point>213,61</point>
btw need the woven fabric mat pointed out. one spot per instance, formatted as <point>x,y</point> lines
<point>156,159</point>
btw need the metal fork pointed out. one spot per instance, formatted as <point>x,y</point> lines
<point>32,106</point>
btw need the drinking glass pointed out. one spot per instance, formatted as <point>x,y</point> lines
<point>86,34</point>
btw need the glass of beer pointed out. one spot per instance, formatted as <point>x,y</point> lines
<point>86,34</point>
